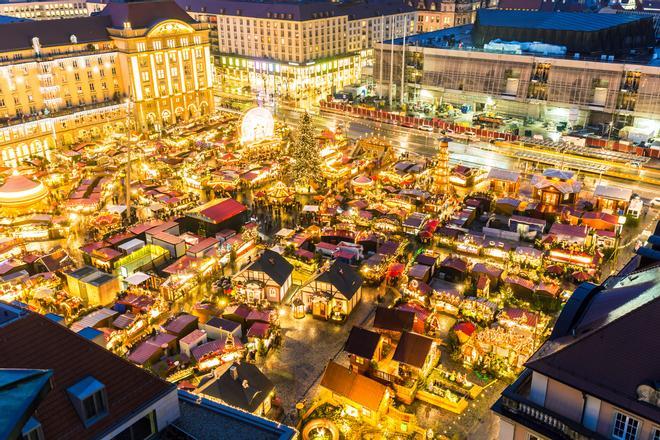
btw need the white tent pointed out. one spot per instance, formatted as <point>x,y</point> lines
<point>115,209</point>
<point>137,278</point>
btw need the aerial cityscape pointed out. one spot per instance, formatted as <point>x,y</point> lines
<point>329,219</point>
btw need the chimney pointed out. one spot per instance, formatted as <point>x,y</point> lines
<point>234,372</point>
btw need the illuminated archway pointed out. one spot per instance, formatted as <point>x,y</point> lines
<point>257,125</point>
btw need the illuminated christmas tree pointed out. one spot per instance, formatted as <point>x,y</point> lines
<point>306,166</point>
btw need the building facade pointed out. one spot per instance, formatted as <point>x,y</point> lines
<point>297,51</point>
<point>67,81</point>
<point>434,15</point>
<point>44,10</point>
<point>525,84</point>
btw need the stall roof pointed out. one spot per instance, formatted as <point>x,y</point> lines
<point>137,278</point>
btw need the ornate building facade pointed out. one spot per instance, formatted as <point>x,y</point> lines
<point>68,81</point>
<point>297,51</point>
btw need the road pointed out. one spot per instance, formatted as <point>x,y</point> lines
<point>478,153</point>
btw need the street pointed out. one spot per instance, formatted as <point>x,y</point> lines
<point>476,153</point>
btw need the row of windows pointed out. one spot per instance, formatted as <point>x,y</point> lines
<point>170,43</point>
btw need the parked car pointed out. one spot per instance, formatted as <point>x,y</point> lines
<point>426,127</point>
<point>655,202</point>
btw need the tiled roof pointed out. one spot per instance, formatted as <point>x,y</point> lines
<point>144,14</point>
<point>362,342</point>
<point>17,36</point>
<point>36,342</point>
<point>360,389</point>
<point>393,320</point>
<point>613,330</point>
<point>343,277</point>
<point>298,10</point>
<point>246,390</point>
<point>413,349</point>
<point>274,265</point>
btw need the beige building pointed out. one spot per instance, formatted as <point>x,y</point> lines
<point>67,81</point>
<point>595,377</point>
<point>44,10</point>
<point>297,50</point>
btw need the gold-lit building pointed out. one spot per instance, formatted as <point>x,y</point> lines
<point>68,81</point>
<point>297,51</point>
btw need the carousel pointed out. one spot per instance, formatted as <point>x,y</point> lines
<point>20,194</point>
<point>279,193</point>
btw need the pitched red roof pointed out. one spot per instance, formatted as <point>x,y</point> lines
<point>222,210</point>
<point>35,342</point>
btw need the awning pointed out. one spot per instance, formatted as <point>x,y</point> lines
<point>115,209</point>
<point>137,278</point>
<point>285,233</point>
<point>311,208</point>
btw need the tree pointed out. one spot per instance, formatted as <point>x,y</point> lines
<point>306,166</point>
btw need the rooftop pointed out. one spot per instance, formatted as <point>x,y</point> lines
<point>297,10</point>
<point>361,389</point>
<point>343,277</point>
<point>200,418</point>
<point>36,342</point>
<point>362,342</point>
<point>558,21</point>
<point>622,315</point>
<point>274,265</point>
<point>218,210</point>
<point>242,385</point>
<point>533,37</point>
<point>21,391</point>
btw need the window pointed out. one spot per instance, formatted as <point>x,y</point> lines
<point>655,434</point>
<point>89,399</point>
<point>171,43</point>
<point>94,405</point>
<point>142,429</point>
<point>625,427</point>
<point>145,76</point>
<point>157,45</point>
<point>532,437</point>
<point>141,47</point>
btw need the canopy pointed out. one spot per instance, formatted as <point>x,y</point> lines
<point>137,278</point>
<point>311,208</point>
<point>116,209</point>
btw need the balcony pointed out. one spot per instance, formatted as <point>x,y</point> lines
<point>514,405</point>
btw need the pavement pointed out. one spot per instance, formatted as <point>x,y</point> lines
<point>309,344</point>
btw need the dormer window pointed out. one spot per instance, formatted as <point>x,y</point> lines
<point>90,400</point>
<point>32,430</point>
